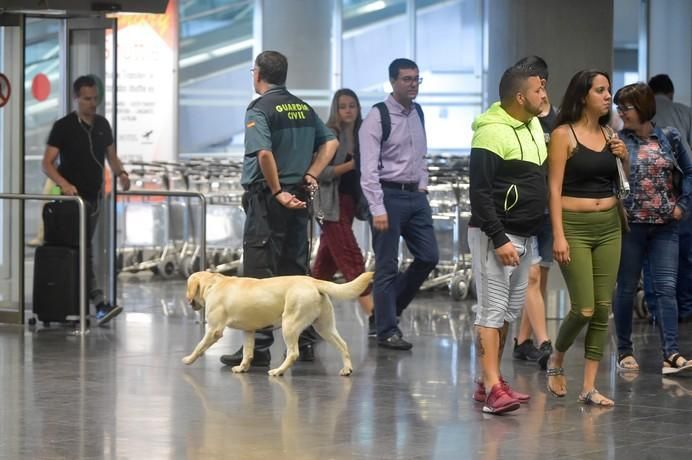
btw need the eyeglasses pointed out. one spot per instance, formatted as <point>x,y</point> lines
<point>624,108</point>
<point>409,80</point>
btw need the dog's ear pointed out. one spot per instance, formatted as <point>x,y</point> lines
<point>193,286</point>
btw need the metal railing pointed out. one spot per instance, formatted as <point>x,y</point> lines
<point>202,225</point>
<point>82,250</point>
<point>203,215</point>
<point>83,243</point>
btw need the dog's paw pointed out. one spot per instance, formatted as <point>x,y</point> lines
<point>188,360</point>
<point>346,371</point>
<point>275,372</point>
<point>239,369</point>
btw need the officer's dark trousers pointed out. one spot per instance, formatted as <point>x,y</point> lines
<point>410,217</point>
<point>275,243</point>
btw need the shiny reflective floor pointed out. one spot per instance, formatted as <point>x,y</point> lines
<point>122,393</point>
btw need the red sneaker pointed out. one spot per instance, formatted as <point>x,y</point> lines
<point>499,401</point>
<point>480,395</point>
<point>521,397</point>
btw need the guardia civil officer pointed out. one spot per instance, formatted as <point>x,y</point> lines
<point>282,136</point>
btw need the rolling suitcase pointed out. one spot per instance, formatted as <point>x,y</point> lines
<point>56,283</point>
<point>61,223</point>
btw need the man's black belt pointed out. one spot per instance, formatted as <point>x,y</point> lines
<point>403,186</point>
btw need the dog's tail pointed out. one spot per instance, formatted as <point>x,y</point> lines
<point>346,291</point>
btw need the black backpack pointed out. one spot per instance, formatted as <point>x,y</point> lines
<point>387,124</point>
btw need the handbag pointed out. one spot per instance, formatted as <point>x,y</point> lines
<point>622,187</point>
<point>624,218</point>
<point>622,191</point>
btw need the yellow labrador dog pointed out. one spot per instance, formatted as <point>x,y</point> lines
<point>249,304</point>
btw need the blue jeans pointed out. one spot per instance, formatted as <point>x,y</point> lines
<point>648,286</point>
<point>410,217</point>
<point>685,270</point>
<point>659,244</point>
<point>544,240</point>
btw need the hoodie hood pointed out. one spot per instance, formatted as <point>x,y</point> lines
<point>498,132</point>
<point>495,115</point>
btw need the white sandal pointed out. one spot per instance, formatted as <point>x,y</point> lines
<point>671,365</point>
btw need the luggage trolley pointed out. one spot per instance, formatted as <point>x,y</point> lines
<point>450,223</point>
<point>179,223</point>
<point>448,192</point>
<point>225,223</point>
<point>143,225</point>
<point>462,285</point>
<point>225,218</point>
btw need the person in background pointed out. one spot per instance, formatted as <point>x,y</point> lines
<point>533,317</point>
<point>668,112</point>
<point>337,201</point>
<point>679,116</point>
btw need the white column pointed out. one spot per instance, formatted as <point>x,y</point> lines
<point>303,31</point>
<point>570,36</point>
<point>670,44</point>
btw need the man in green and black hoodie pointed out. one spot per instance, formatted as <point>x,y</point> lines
<point>508,197</point>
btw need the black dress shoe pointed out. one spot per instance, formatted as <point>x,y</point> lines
<point>546,350</point>
<point>372,328</point>
<point>261,358</point>
<point>306,353</point>
<point>394,342</point>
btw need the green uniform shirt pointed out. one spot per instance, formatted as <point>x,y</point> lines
<point>286,126</point>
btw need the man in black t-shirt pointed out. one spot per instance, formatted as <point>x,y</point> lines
<point>82,141</point>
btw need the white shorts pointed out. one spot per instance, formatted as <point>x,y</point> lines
<point>500,289</point>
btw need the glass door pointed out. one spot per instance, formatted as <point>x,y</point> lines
<point>11,143</point>
<point>89,48</point>
<point>57,50</point>
<point>44,98</point>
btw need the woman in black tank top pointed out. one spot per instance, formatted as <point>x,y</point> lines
<point>586,225</point>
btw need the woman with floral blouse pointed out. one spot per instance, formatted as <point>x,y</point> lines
<point>660,178</point>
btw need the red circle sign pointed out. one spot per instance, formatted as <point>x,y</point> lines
<point>40,87</point>
<point>5,89</point>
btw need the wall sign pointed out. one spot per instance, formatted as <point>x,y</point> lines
<point>5,89</point>
<point>147,84</point>
<point>40,87</point>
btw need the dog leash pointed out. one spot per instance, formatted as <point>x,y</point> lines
<point>314,213</point>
